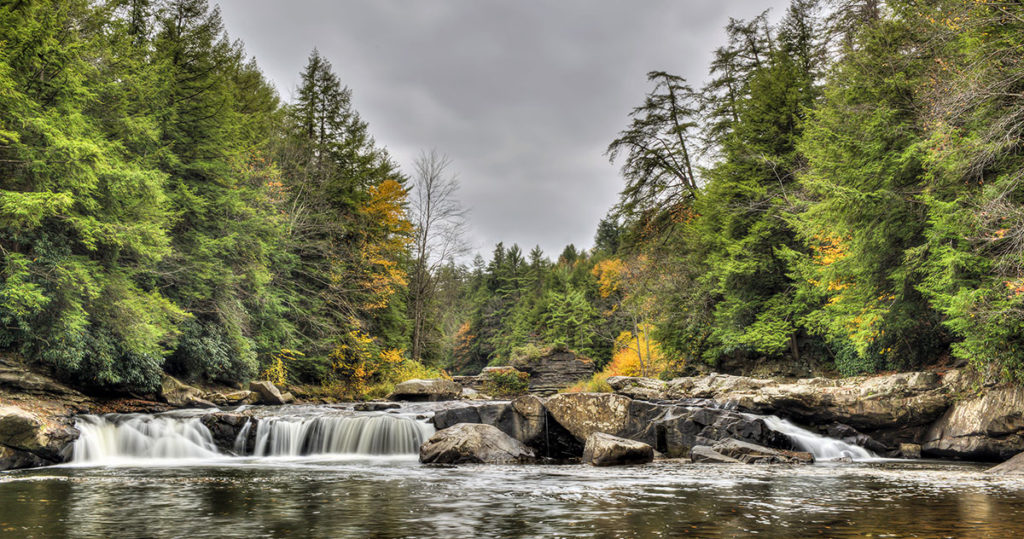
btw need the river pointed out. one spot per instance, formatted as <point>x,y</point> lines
<point>352,495</point>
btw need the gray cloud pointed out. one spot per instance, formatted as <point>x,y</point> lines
<point>523,95</point>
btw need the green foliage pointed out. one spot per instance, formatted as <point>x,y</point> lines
<point>149,205</point>
<point>506,382</point>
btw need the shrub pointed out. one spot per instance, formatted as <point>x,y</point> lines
<point>506,382</point>
<point>598,383</point>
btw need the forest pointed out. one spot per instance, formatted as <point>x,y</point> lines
<point>844,188</point>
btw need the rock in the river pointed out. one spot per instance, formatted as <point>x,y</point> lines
<point>583,414</point>
<point>703,454</point>
<point>1014,466</point>
<point>525,418</point>
<point>225,427</point>
<point>27,439</point>
<point>607,450</point>
<point>474,443</point>
<point>267,392</point>
<point>749,453</point>
<point>433,389</point>
<point>989,426</point>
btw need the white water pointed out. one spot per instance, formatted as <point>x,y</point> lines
<point>141,437</point>
<point>171,438</point>
<point>360,435</point>
<point>822,447</point>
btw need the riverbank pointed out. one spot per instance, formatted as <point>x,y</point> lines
<point>952,414</point>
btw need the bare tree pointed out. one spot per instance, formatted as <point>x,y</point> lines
<point>439,237</point>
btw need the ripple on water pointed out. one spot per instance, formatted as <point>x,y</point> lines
<point>337,497</point>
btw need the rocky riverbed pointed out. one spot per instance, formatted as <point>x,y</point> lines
<point>952,414</point>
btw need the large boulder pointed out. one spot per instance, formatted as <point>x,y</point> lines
<point>22,430</point>
<point>583,414</point>
<point>607,450</point>
<point>525,418</point>
<point>989,426</point>
<point>433,389</point>
<point>27,439</point>
<point>474,443</point>
<point>266,392</point>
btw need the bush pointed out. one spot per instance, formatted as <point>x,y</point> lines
<point>526,354</point>
<point>598,383</point>
<point>207,351</point>
<point>506,382</point>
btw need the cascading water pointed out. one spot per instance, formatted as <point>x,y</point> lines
<point>115,438</point>
<point>823,448</point>
<point>361,435</point>
<point>141,436</point>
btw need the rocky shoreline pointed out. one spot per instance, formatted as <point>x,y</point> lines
<point>713,418</point>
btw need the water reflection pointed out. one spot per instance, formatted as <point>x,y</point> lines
<point>400,498</point>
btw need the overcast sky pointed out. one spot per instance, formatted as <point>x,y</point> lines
<point>523,95</point>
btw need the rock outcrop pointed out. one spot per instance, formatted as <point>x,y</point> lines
<point>433,389</point>
<point>29,440</point>
<point>583,414</point>
<point>606,450</point>
<point>985,426</point>
<point>877,412</point>
<point>556,370</point>
<point>559,426</point>
<point>550,372</point>
<point>225,428</point>
<point>474,443</point>
<point>525,418</point>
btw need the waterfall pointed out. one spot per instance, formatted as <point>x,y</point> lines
<point>242,438</point>
<point>115,438</point>
<point>822,447</point>
<point>141,436</point>
<point>361,435</point>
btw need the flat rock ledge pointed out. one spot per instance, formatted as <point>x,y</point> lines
<point>432,389</point>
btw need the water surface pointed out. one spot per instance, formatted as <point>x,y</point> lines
<point>398,497</point>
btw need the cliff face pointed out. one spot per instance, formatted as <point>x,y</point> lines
<point>549,373</point>
<point>555,371</point>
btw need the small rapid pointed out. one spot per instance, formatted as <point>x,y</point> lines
<point>378,434</point>
<point>183,436</point>
<point>822,447</point>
